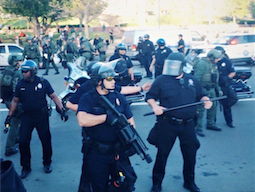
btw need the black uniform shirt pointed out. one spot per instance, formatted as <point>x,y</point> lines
<point>85,88</point>
<point>127,59</point>
<point>104,132</point>
<point>161,55</point>
<point>32,95</point>
<point>225,67</point>
<point>172,92</point>
<point>181,42</point>
<point>147,47</point>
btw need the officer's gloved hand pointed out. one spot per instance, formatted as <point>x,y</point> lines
<point>220,93</point>
<point>7,123</point>
<point>111,118</point>
<point>63,115</point>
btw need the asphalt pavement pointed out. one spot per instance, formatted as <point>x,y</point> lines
<point>225,160</point>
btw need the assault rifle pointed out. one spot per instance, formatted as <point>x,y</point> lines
<point>127,132</point>
<point>188,105</point>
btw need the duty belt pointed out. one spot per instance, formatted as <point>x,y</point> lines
<point>208,87</point>
<point>176,121</point>
<point>105,148</point>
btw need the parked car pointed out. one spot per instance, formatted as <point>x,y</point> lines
<point>240,47</point>
<point>190,37</point>
<point>8,48</point>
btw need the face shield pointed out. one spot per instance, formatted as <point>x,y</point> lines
<point>172,67</point>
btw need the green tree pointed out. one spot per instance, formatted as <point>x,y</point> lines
<point>237,8</point>
<point>252,8</point>
<point>44,11</point>
<point>86,11</point>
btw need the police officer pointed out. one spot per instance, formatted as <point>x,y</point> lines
<point>206,71</point>
<point>181,44</point>
<point>86,49</point>
<point>31,93</point>
<point>101,144</point>
<point>70,49</point>
<point>31,51</point>
<point>101,49</point>
<point>159,57</point>
<point>147,51</point>
<point>175,88</point>
<point>121,53</point>
<point>48,55</point>
<point>139,49</point>
<point>7,92</point>
<point>87,86</point>
<point>227,72</point>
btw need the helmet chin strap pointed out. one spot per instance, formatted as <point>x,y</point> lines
<point>103,87</point>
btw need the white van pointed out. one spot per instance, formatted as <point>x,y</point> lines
<point>240,47</point>
<point>191,38</point>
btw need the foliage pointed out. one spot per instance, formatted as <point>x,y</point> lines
<point>252,8</point>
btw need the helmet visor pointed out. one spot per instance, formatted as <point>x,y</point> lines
<point>172,67</point>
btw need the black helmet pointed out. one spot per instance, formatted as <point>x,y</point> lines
<point>161,42</point>
<point>93,65</point>
<point>14,58</point>
<point>214,54</point>
<point>29,65</point>
<point>122,46</point>
<point>146,36</point>
<point>219,48</point>
<point>100,72</point>
<point>119,66</point>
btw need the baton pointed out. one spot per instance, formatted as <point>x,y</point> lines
<point>188,105</point>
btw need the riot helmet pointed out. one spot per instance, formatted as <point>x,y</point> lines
<point>174,64</point>
<point>119,66</point>
<point>14,58</point>
<point>29,38</point>
<point>219,48</point>
<point>122,46</point>
<point>100,72</point>
<point>161,42</point>
<point>100,39</point>
<point>146,36</point>
<point>214,54</point>
<point>29,65</point>
<point>82,38</point>
<point>93,65</point>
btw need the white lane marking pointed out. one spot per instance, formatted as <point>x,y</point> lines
<point>143,103</point>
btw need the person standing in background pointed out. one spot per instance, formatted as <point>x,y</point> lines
<point>181,44</point>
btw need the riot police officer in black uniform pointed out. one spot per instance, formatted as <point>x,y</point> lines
<point>100,141</point>
<point>226,72</point>
<point>159,57</point>
<point>174,88</point>
<point>147,51</point>
<point>31,93</point>
<point>121,53</point>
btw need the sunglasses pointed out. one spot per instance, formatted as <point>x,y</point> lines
<point>109,78</point>
<point>24,71</point>
<point>122,49</point>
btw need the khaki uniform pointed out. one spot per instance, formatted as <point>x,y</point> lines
<point>207,73</point>
<point>32,52</point>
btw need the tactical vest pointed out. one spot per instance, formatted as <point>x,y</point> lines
<point>102,47</point>
<point>8,81</point>
<point>211,75</point>
<point>85,46</point>
<point>31,52</point>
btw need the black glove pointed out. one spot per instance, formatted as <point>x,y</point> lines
<point>64,116</point>
<point>7,123</point>
<point>111,118</point>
